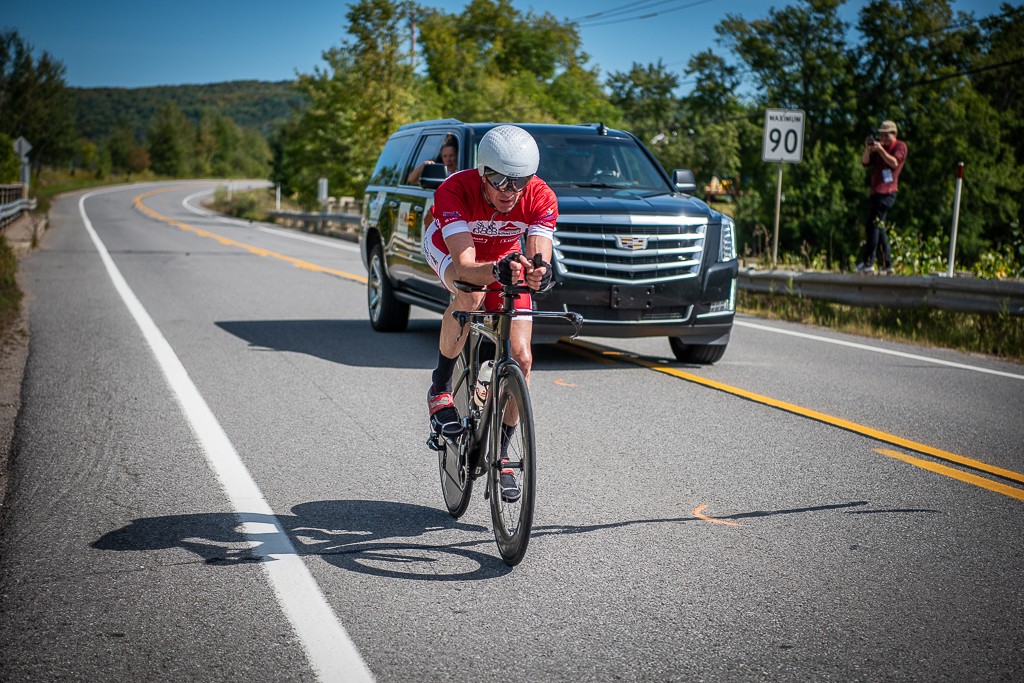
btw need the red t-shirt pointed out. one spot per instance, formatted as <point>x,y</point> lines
<point>460,206</point>
<point>883,178</point>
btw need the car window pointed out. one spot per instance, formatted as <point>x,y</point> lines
<point>391,157</point>
<point>429,150</point>
<point>596,161</point>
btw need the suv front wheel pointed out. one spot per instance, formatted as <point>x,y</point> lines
<point>701,354</point>
<point>387,314</point>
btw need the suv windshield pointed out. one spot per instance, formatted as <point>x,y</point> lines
<point>596,161</point>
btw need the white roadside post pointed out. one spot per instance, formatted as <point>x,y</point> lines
<point>277,201</point>
<point>229,190</point>
<point>784,143</point>
<point>22,147</point>
<point>956,216</point>
<point>321,197</point>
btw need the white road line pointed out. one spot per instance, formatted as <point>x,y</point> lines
<point>333,244</point>
<point>330,651</point>
<point>865,347</point>
<point>306,238</point>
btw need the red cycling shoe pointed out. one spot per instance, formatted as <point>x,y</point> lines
<point>444,418</point>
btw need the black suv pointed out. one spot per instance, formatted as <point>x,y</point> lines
<point>634,254</point>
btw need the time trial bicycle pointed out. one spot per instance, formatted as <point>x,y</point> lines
<point>497,434</point>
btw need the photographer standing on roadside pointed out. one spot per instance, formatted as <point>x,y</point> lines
<point>886,155</point>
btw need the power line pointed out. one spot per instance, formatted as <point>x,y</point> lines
<point>877,91</point>
<point>1011,11</point>
<point>622,9</point>
<point>585,25</point>
<point>646,16</point>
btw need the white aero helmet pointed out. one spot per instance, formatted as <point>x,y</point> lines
<point>508,150</point>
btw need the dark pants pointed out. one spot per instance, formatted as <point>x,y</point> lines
<point>878,209</point>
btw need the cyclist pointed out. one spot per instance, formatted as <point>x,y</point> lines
<point>479,217</point>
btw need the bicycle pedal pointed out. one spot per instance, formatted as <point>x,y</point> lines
<point>432,443</point>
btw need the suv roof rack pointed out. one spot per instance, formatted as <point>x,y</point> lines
<point>435,122</point>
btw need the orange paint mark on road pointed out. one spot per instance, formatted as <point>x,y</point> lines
<point>564,384</point>
<point>712,519</point>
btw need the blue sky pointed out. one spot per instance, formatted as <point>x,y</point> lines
<point>132,44</point>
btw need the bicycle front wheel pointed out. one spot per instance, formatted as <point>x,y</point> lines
<point>456,486</point>
<point>513,450</point>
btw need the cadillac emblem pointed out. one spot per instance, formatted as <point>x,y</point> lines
<point>630,243</point>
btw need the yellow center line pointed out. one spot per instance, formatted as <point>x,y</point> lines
<point>712,519</point>
<point>813,414</point>
<point>298,263</point>
<point>956,474</point>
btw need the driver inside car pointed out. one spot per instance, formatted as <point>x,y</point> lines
<point>583,165</point>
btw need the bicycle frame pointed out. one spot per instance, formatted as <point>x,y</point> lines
<point>481,424</point>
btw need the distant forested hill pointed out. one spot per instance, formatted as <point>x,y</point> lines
<point>251,104</point>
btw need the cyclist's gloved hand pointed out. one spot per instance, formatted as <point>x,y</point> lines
<point>540,283</point>
<point>503,270</point>
<point>545,281</point>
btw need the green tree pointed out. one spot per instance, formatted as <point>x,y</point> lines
<point>492,62</point>
<point>912,57</point>
<point>120,145</point>
<point>138,160</point>
<point>34,101</point>
<point>365,92</point>
<point>645,97</point>
<point>168,141</point>
<point>798,57</point>
<point>1004,88</point>
<point>10,164</point>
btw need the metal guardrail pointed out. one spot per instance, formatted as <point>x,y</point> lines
<point>965,295</point>
<point>310,217</point>
<point>8,212</point>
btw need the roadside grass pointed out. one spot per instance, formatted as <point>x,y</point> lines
<point>991,334</point>
<point>10,295</point>
<point>253,205</point>
<point>52,181</point>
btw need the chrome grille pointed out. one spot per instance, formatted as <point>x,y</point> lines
<point>588,249</point>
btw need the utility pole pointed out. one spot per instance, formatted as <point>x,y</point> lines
<point>412,38</point>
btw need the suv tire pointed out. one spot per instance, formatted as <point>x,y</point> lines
<point>701,354</point>
<point>387,314</point>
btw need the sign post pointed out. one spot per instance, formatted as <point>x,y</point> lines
<point>784,143</point>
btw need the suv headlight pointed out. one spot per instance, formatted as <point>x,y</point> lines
<point>727,249</point>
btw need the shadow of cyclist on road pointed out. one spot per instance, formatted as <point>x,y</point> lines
<point>372,537</point>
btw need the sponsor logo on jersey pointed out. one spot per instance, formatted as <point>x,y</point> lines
<point>507,228</point>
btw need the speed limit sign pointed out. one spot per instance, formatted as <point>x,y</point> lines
<point>783,136</point>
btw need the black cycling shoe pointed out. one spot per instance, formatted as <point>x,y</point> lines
<point>510,491</point>
<point>444,418</point>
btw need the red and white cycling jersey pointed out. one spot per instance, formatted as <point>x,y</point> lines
<point>459,206</point>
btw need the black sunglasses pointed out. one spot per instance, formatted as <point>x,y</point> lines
<point>502,183</point>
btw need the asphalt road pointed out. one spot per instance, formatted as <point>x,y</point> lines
<point>295,530</point>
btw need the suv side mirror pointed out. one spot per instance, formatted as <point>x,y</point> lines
<point>432,175</point>
<point>683,180</point>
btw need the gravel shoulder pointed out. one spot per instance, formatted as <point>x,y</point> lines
<point>23,235</point>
